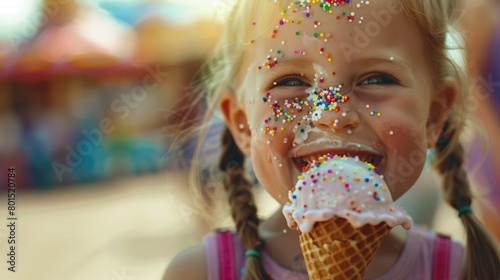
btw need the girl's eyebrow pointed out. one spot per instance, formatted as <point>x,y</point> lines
<point>395,63</point>
<point>303,62</point>
<point>294,62</point>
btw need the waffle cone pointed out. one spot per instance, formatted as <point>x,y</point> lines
<point>337,250</point>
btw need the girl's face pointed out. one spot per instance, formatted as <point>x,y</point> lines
<point>349,80</point>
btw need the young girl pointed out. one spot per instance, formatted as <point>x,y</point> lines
<point>390,90</point>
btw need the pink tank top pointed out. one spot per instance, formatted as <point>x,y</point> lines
<point>424,256</point>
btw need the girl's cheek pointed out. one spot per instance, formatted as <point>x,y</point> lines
<point>395,136</point>
<point>272,136</point>
<point>406,152</point>
<point>278,118</point>
<point>398,132</point>
<point>393,131</point>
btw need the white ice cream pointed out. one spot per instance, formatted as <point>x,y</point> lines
<point>343,187</point>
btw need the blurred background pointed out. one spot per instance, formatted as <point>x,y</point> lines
<point>91,95</point>
<point>90,92</point>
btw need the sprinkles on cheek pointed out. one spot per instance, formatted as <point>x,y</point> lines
<point>286,114</point>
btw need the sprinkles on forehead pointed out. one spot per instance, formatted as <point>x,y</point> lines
<point>305,7</point>
<point>325,5</point>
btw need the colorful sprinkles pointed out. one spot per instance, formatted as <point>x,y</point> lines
<point>334,167</point>
<point>346,187</point>
<point>305,7</point>
<point>319,99</point>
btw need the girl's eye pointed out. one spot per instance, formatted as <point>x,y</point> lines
<point>291,81</point>
<point>379,79</point>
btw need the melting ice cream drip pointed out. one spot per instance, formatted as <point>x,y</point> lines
<point>342,187</point>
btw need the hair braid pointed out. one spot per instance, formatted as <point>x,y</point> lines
<point>482,258</point>
<point>243,209</point>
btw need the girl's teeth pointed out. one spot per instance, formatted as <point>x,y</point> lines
<point>363,157</point>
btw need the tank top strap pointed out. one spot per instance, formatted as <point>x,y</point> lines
<point>225,248</point>
<point>441,257</point>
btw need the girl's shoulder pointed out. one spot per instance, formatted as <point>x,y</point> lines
<point>189,264</point>
<point>203,260</point>
<point>427,253</point>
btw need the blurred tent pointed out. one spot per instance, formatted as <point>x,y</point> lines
<point>78,39</point>
<point>181,51</point>
<point>77,70</point>
<point>160,41</point>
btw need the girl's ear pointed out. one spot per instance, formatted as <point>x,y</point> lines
<point>236,120</point>
<point>440,108</point>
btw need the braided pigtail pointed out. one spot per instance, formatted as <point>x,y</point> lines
<point>482,258</point>
<point>243,209</point>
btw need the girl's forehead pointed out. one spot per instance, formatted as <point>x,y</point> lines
<point>332,29</point>
<point>320,15</point>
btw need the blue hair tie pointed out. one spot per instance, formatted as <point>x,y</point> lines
<point>252,253</point>
<point>464,210</point>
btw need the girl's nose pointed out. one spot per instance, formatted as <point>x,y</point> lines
<point>341,121</point>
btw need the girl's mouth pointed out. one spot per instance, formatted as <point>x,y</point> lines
<point>301,163</point>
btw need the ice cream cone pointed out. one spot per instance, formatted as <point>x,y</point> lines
<point>335,249</point>
<point>343,209</point>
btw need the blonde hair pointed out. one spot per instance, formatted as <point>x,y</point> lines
<point>432,20</point>
<point>219,74</point>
